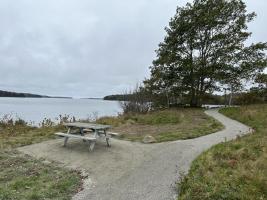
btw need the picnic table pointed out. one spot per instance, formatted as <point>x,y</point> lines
<point>78,130</point>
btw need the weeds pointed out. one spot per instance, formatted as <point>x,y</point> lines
<point>235,169</point>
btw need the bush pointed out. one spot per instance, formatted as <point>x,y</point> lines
<point>138,103</point>
<point>134,107</point>
<point>249,98</point>
<point>10,120</point>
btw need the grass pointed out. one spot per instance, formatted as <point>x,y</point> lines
<point>163,125</point>
<point>23,177</point>
<point>235,170</point>
<point>20,135</point>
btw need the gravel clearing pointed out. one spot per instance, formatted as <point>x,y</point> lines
<point>130,170</point>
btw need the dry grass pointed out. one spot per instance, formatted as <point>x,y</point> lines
<point>235,170</point>
<point>164,125</point>
<point>19,135</point>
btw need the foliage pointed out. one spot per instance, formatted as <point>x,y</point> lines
<point>213,99</point>
<point>137,103</point>
<point>253,96</point>
<point>119,97</point>
<point>261,79</point>
<point>163,125</point>
<point>205,46</point>
<point>235,170</point>
<point>15,94</point>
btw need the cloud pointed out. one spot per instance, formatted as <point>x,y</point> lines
<point>86,48</point>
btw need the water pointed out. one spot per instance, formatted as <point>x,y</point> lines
<point>36,109</point>
<point>210,106</point>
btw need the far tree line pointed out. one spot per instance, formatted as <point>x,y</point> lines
<point>16,94</point>
<point>206,51</point>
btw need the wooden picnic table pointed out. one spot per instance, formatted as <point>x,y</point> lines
<point>97,131</point>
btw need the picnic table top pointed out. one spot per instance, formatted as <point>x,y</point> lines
<point>87,125</point>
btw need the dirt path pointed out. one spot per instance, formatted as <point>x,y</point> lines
<point>134,170</point>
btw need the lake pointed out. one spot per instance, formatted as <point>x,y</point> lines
<point>36,109</point>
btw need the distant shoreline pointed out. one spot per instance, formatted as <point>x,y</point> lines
<point>93,98</point>
<point>10,94</point>
<point>50,97</point>
<point>38,97</point>
<point>26,95</point>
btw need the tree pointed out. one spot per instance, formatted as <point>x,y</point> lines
<point>261,80</point>
<point>204,47</point>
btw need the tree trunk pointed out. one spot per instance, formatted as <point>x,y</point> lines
<point>231,97</point>
<point>168,100</point>
<point>225,97</point>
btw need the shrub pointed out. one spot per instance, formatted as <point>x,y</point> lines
<point>138,103</point>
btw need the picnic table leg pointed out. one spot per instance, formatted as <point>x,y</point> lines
<point>107,138</point>
<point>91,145</point>
<point>66,138</point>
<point>65,141</point>
<point>82,133</point>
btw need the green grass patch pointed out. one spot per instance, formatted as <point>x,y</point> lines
<point>163,125</point>
<point>21,134</point>
<point>24,178</point>
<point>151,118</point>
<point>235,170</point>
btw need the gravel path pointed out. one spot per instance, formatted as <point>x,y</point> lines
<point>133,170</point>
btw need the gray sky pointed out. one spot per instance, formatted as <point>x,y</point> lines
<point>87,48</point>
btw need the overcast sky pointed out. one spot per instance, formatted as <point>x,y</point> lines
<point>87,48</point>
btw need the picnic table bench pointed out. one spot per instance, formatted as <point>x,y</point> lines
<point>96,130</point>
